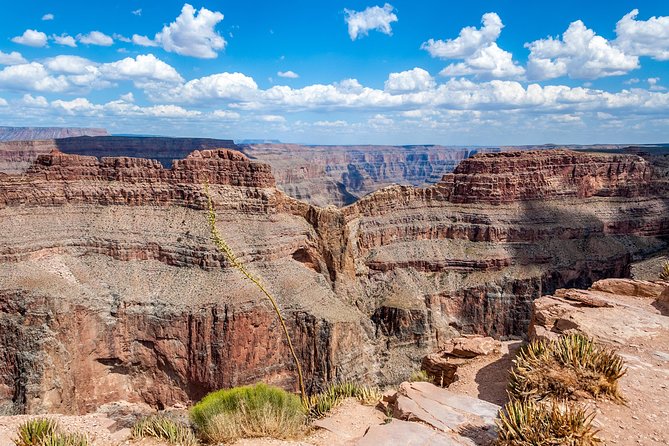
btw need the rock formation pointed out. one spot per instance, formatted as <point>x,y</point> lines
<point>628,316</point>
<point>41,133</point>
<point>110,288</point>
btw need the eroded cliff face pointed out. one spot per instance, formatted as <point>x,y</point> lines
<point>110,287</point>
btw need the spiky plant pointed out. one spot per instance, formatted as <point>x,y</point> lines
<point>565,368</point>
<point>34,431</point>
<point>65,439</point>
<point>322,403</point>
<point>419,376</point>
<point>160,426</point>
<point>526,423</point>
<point>223,246</point>
<point>664,274</point>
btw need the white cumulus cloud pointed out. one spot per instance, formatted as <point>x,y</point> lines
<point>580,54</point>
<point>31,37</point>
<point>416,79</point>
<point>289,74</point>
<point>193,33</point>
<point>69,64</point>
<point>643,37</point>
<point>48,16</point>
<point>145,67</point>
<point>142,40</point>
<point>479,51</point>
<point>372,18</point>
<point>13,58</point>
<point>95,38</point>
<point>32,77</point>
<point>3,102</point>
<point>226,115</point>
<point>64,40</point>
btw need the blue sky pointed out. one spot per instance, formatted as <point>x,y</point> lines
<point>402,72</point>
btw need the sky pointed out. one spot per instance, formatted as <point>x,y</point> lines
<point>478,72</point>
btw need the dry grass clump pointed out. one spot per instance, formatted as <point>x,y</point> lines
<point>664,274</point>
<point>248,412</point>
<point>322,403</point>
<point>46,432</point>
<point>570,367</point>
<point>419,376</point>
<point>160,426</point>
<point>527,423</point>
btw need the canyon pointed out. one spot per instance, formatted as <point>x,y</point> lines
<point>111,289</point>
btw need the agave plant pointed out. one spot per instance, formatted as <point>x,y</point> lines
<point>526,423</point>
<point>34,431</point>
<point>557,369</point>
<point>664,274</point>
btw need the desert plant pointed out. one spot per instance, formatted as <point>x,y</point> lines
<point>322,403</point>
<point>65,439</point>
<point>249,411</point>
<point>419,376</point>
<point>565,368</point>
<point>35,430</point>
<point>664,274</point>
<point>160,426</point>
<point>527,423</point>
<point>222,245</point>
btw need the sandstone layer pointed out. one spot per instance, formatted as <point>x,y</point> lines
<point>110,287</point>
<point>41,133</point>
<point>628,316</point>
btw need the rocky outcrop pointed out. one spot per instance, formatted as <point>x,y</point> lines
<point>340,175</point>
<point>42,133</point>
<point>110,287</point>
<point>442,366</point>
<point>624,315</point>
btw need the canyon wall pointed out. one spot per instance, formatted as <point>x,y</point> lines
<point>110,287</point>
<point>41,133</point>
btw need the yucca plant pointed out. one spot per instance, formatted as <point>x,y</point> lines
<point>563,368</point>
<point>223,246</point>
<point>527,423</point>
<point>34,431</point>
<point>160,426</point>
<point>65,439</point>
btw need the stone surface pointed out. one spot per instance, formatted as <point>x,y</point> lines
<point>408,434</point>
<point>110,287</point>
<point>445,411</point>
<point>470,346</point>
<point>42,133</point>
<point>638,329</point>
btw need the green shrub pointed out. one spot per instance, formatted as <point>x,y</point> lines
<point>34,431</point>
<point>419,376</point>
<point>569,367</point>
<point>322,403</point>
<point>246,412</point>
<point>160,426</point>
<point>526,423</point>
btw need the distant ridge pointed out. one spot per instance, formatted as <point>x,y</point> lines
<point>40,133</point>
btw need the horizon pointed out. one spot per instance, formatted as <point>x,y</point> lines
<point>352,73</point>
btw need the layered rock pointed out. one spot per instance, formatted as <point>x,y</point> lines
<point>110,287</point>
<point>42,133</point>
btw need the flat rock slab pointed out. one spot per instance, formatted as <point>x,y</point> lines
<point>406,433</point>
<point>451,413</point>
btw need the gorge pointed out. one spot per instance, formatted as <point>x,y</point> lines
<point>110,288</point>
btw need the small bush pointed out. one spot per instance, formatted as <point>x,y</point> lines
<point>526,423</point>
<point>568,367</point>
<point>247,412</point>
<point>46,432</point>
<point>322,403</point>
<point>160,426</point>
<point>419,376</point>
<point>664,274</point>
<point>34,431</point>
